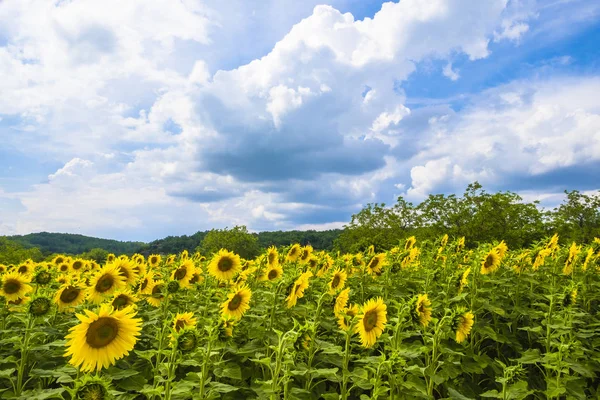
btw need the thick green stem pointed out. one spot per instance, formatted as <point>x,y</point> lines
<point>205,368</point>
<point>345,372</point>
<point>24,354</point>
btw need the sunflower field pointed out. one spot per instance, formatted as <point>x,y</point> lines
<point>424,320</point>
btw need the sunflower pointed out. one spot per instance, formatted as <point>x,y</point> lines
<point>184,273</point>
<point>410,242</point>
<point>371,321</point>
<point>184,255</point>
<point>154,260</point>
<point>183,321</point>
<point>122,299</point>
<point>422,310</point>
<point>224,265</point>
<point>237,303</point>
<point>64,268</point>
<point>69,296</point>
<point>24,269</point>
<point>338,280</point>
<point>346,316</point>
<point>101,339</point>
<point>125,267</point>
<point>3,268</point>
<point>197,276</point>
<point>272,256</point>
<point>463,279</point>
<point>58,260</point>
<point>502,248</point>
<point>170,259</point>
<point>145,283</point>
<point>273,273</point>
<point>105,282</point>
<point>156,291</point>
<point>298,288</point>
<point>341,301</point>
<point>570,263</point>
<point>588,259</point>
<point>15,286</point>
<point>491,262</point>
<point>77,265</point>
<point>110,258</point>
<point>293,253</point>
<point>305,253</point>
<point>376,264</point>
<point>463,322</point>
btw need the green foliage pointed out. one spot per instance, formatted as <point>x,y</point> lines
<point>12,252</point>
<point>236,239</point>
<point>320,240</point>
<point>173,244</point>
<point>98,255</point>
<point>479,216</point>
<point>73,244</point>
<point>577,219</point>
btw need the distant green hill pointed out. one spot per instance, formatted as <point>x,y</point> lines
<point>68,243</point>
<point>320,240</point>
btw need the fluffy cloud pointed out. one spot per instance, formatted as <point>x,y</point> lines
<point>519,133</point>
<point>166,120</point>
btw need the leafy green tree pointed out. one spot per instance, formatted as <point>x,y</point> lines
<point>482,217</point>
<point>578,217</point>
<point>377,225</point>
<point>98,255</point>
<point>236,239</point>
<point>13,253</point>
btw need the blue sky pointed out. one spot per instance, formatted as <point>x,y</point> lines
<point>152,119</point>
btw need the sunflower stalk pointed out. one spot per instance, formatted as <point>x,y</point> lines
<point>24,354</point>
<point>432,361</point>
<point>205,363</point>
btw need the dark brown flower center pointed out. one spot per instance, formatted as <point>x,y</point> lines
<point>180,273</point>
<point>489,261</point>
<point>370,320</point>
<point>272,274</point>
<point>11,286</point>
<point>272,257</point>
<point>102,332</point>
<point>179,325</point>
<point>105,283</point>
<point>225,264</point>
<point>374,263</point>
<point>144,284</point>
<point>64,267</point>
<point>77,265</point>
<point>157,292</point>
<point>23,269</point>
<point>336,281</point>
<point>69,294</point>
<point>120,301</point>
<point>235,302</point>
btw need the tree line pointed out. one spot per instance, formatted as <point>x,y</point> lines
<point>479,216</point>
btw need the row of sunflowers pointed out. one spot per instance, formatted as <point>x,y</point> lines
<point>427,320</point>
